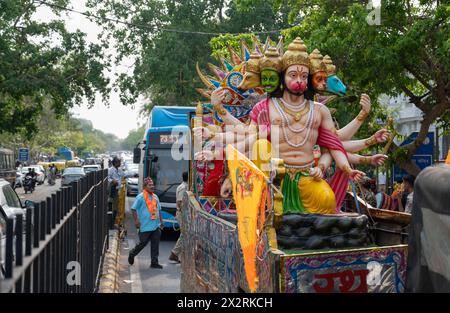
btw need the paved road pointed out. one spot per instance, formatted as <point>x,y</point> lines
<point>140,277</point>
<point>40,193</point>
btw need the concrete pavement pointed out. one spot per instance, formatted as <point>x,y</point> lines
<point>140,278</point>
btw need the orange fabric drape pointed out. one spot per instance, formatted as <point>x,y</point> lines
<point>151,204</point>
<point>249,194</point>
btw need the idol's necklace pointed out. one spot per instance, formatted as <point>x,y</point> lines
<point>297,115</point>
<point>293,107</point>
<point>285,122</point>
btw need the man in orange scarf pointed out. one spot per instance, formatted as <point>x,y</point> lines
<point>147,217</point>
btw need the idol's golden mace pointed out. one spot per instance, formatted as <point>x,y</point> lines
<point>393,133</point>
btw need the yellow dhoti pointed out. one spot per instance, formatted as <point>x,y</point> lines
<point>301,193</point>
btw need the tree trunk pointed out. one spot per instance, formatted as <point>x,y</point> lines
<point>410,167</point>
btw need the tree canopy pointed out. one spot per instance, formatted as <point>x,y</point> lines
<point>43,61</point>
<point>407,53</point>
<point>167,38</point>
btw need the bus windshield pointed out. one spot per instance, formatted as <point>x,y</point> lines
<point>167,174</point>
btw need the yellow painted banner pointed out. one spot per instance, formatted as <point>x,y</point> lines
<point>249,193</point>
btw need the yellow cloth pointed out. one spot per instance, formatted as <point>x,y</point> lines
<point>317,196</point>
<point>261,155</point>
<point>120,217</point>
<point>448,158</point>
<point>248,193</point>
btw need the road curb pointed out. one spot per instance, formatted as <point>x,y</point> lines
<point>109,278</point>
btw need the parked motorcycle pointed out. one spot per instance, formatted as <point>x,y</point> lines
<point>29,183</point>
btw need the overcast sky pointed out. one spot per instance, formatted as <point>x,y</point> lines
<point>117,119</point>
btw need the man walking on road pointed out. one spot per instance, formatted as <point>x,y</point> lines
<point>147,217</point>
<point>175,254</point>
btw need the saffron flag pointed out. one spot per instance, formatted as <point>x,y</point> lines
<point>249,193</point>
<point>447,161</point>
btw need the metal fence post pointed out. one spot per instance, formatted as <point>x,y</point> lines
<point>9,248</point>
<point>19,239</point>
<point>28,232</point>
<point>43,220</point>
<point>36,215</point>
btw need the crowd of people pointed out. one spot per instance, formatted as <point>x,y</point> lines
<point>377,195</point>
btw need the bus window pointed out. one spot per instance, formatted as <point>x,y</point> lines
<point>166,174</point>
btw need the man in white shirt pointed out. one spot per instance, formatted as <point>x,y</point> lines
<point>174,255</point>
<point>115,175</point>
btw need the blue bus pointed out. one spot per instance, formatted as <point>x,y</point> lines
<point>65,153</point>
<point>164,155</point>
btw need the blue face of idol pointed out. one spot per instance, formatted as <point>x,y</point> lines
<point>336,86</point>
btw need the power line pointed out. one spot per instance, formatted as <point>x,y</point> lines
<point>89,15</point>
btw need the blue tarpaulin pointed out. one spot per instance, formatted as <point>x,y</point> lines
<point>164,116</point>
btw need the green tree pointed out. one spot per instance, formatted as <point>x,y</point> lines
<point>43,61</point>
<point>165,55</point>
<point>407,53</point>
<point>53,132</point>
<point>134,137</point>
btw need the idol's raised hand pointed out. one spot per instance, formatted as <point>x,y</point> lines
<point>365,103</point>
<point>217,96</point>
<point>356,175</point>
<point>201,133</point>
<point>203,156</point>
<point>382,135</point>
<point>378,159</point>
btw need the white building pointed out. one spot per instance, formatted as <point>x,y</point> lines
<point>408,119</point>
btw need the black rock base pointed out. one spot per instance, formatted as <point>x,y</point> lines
<point>312,231</point>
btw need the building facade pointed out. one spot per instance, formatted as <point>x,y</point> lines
<point>408,119</point>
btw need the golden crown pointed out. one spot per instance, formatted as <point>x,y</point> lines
<point>251,77</point>
<point>331,68</point>
<point>271,60</point>
<point>316,62</point>
<point>296,54</point>
<point>253,63</point>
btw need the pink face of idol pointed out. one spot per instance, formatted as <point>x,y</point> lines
<point>296,79</point>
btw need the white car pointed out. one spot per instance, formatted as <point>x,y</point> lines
<point>9,200</point>
<point>91,168</point>
<point>10,207</point>
<point>40,178</point>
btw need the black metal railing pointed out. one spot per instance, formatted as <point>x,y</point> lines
<point>60,244</point>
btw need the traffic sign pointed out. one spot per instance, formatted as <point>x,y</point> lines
<point>422,158</point>
<point>24,154</point>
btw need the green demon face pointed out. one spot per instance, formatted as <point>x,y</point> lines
<point>270,80</point>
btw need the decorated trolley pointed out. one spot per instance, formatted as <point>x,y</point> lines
<point>260,222</point>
